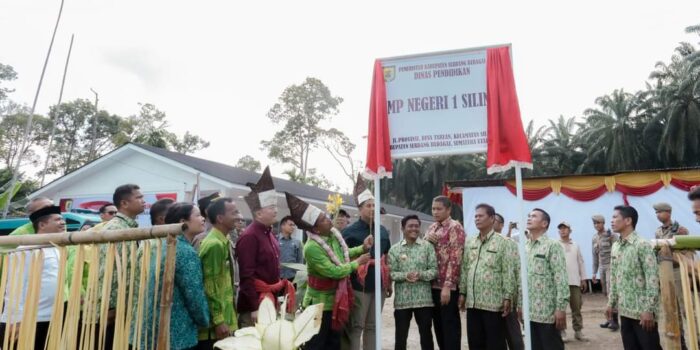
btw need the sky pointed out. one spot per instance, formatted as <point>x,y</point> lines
<point>217,67</point>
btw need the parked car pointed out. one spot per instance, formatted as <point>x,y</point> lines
<point>74,222</point>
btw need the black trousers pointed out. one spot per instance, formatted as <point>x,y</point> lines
<point>424,319</point>
<point>42,331</point>
<point>514,335</point>
<point>634,337</point>
<point>327,338</point>
<point>486,330</point>
<point>448,325</point>
<point>545,336</point>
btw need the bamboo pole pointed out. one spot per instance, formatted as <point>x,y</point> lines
<point>669,325</point>
<point>678,242</point>
<point>91,237</point>
<point>152,333</point>
<point>691,336</point>
<point>166,297</point>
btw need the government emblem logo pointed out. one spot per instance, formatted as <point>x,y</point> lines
<point>389,73</point>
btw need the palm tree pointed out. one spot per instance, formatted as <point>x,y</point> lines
<point>678,92</point>
<point>560,147</point>
<point>612,133</point>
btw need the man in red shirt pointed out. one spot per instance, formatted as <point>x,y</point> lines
<point>258,252</point>
<point>447,235</point>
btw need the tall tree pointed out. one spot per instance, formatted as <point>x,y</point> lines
<point>301,110</point>
<point>72,138</point>
<point>340,148</point>
<point>249,163</point>
<point>12,133</point>
<point>150,127</point>
<point>7,73</point>
<point>189,143</point>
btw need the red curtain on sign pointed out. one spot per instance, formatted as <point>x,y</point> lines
<point>531,195</point>
<point>378,151</point>
<point>507,144</point>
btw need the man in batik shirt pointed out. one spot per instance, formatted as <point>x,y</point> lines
<point>413,266</point>
<point>634,288</point>
<point>548,284</point>
<point>514,334</point>
<point>129,202</point>
<point>486,283</point>
<point>447,236</point>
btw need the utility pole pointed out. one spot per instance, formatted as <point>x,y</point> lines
<point>91,155</point>
<point>28,127</point>
<point>53,120</point>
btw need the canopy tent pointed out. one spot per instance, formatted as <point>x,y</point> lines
<point>577,198</point>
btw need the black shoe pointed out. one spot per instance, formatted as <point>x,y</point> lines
<point>614,326</point>
<point>606,324</point>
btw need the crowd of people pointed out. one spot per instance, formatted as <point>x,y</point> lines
<point>224,269</point>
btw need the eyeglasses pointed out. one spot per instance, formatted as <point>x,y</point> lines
<point>112,212</point>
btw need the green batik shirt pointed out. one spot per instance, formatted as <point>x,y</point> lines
<point>547,279</point>
<point>118,222</point>
<point>417,257</point>
<point>218,287</point>
<point>634,277</point>
<point>319,264</point>
<point>514,271</point>
<point>486,276</point>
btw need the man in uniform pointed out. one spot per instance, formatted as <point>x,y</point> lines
<point>602,246</point>
<point>669,229</point>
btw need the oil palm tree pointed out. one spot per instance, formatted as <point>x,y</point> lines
<point>612,133</point>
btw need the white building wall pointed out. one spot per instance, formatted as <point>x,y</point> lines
<point>153,176</point>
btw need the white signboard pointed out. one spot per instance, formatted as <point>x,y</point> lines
<point>436,103</point>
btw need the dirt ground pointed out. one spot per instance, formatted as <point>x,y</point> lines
<point>593,309</point>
